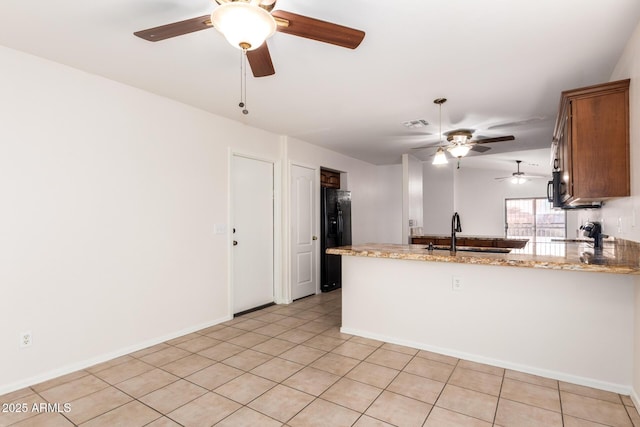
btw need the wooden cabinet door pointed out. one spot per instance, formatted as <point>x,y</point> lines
<point>599,146</point>
<point>565,157</point>
<point>592,136</point>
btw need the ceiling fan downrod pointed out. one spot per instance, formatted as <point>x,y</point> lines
<point>243,81</point>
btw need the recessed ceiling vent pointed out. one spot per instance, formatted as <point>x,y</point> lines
<point>415,124</point>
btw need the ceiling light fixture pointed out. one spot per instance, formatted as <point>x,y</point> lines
<point>245,25</point>
<point>459,150</point>
<point>518,177</point>
<point>460,147</point>
<point>440,158</point>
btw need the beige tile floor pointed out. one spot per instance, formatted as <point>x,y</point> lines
<point>290,366</point>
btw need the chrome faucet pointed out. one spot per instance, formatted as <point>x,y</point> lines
<point>456,227</point>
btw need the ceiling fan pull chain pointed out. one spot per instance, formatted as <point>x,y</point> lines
<point>243,81</point>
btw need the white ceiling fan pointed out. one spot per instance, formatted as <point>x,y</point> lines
<point>519,177</point>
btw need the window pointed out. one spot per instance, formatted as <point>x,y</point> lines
<point>534,219</point>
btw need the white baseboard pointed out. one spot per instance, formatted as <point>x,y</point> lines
<point>635,398</point>
<point>562,376</point>
<point>8,388</point>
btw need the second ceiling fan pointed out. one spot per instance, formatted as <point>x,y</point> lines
<point>246,24</point>
<point>460,142</point>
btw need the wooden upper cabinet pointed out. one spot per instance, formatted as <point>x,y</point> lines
<point>329,178</point>
<point>591,140</point>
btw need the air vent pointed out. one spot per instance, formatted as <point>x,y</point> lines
<point>415,124</point>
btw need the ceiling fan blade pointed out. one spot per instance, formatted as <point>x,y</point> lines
<point>496,139</point>
<point>260,61</point>
<point>315,29</point>
<point>527,177</point>
<point>422,147</point>
<point>480,149</point>
<point>518,123</point>
<point>175,29</point>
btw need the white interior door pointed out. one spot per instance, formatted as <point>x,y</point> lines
<point>304,243</point>
<point>252,233</point>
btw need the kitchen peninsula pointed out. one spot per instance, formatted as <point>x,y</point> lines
<point>557,309</point>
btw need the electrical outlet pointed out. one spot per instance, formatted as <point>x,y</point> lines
<point>26,339</point>
<point>456,283</point>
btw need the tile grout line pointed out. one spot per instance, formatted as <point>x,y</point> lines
<point>321,326</point>
<point>495,414</point>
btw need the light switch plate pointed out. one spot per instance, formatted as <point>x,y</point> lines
<point>219,228</point>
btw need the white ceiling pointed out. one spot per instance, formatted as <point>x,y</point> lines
<point>497,62</point>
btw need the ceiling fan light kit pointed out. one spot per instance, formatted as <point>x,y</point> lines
<point>440,158</point>
<point>246,26</point>
<point>459,150</point>
<point>518,177</point>
<point>460,142</point>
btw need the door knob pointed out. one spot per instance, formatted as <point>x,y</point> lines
<point>315,237</point>
<point>235,243</point>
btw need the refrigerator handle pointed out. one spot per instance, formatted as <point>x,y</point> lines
<point>325,219</point>
<point>340,227</point>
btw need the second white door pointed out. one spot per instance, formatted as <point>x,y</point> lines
<point>304,244</point>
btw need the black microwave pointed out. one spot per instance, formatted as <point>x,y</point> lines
<point>557,194</point>
<point>555,189</point>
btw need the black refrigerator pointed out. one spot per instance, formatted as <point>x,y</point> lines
<point>335,230</point>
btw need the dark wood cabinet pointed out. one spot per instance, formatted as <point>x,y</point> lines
<point>476,242</point>
<point>329,179</point>
<point>591,143</point>
<point>425,240</point>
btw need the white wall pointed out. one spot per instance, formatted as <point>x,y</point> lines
<point>109,200</point>
<point>620,217</point>
<point>411,196</point>
<point>109,197</point>
<point>569,325</point>
<point>475,194</point>
<point>626,210</point>
<point>636,347</point>
<point>480,199</point>
<point>438,192</point>
<point>369,197</point>
<point>389,213</point>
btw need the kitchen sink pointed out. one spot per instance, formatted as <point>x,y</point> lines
<point>489,250</point>
<point>595,259</point>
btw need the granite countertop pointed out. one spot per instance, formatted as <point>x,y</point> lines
<point>617,255</point>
